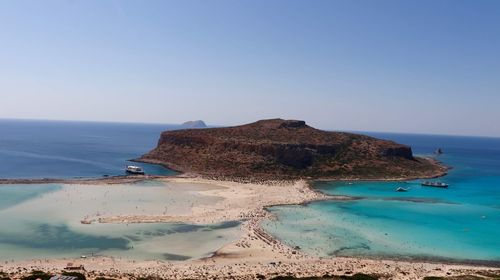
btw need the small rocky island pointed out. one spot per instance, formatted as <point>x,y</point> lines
<point>287,149</point>
<point>194,124</point>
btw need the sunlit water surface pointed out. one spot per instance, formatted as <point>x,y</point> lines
<point>64,149</point>
<point>44,221</point>
<point>461,222</point>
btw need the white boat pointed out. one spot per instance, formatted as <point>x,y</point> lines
<point>132,169</point>
<point>434,184</point>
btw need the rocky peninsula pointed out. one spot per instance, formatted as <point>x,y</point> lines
<point>287,149</point>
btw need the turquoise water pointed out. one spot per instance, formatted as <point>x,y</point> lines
<point>43,221</point>
<point>460,223</point>
<point>11,195</point>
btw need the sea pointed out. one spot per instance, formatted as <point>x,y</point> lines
<point>460,223</point>
<point>68,149</point>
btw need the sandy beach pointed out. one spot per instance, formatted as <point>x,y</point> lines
<point>254,254</point>
<point>237,201</point>
<point>261,267</point>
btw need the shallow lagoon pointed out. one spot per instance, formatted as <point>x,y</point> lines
<point>461,223</point>
<point>391,228</point>
<point>43,221</point>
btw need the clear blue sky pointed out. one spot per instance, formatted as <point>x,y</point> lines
<point>403,66</point>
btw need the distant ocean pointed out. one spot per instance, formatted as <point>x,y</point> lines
<point>61,149</point>
<point>459,223</point>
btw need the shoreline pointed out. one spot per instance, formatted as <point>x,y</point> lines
<point>441,170</point>
<point>118,179</point>
<point>124,179</point>
<point>255,252</point>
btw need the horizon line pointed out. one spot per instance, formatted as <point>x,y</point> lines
<point>219,125</point>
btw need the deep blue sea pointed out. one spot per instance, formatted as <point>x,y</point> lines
<point>60,149</point>
<point>459,223</point>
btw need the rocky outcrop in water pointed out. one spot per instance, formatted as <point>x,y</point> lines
<point>277,148</point>
<point>194,124</point>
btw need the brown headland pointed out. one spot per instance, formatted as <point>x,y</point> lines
<point>287,149</point>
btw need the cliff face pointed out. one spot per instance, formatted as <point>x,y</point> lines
<point>286,149</point>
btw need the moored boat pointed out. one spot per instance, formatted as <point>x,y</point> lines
<point>434,184</point>
<point>132,169</point>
